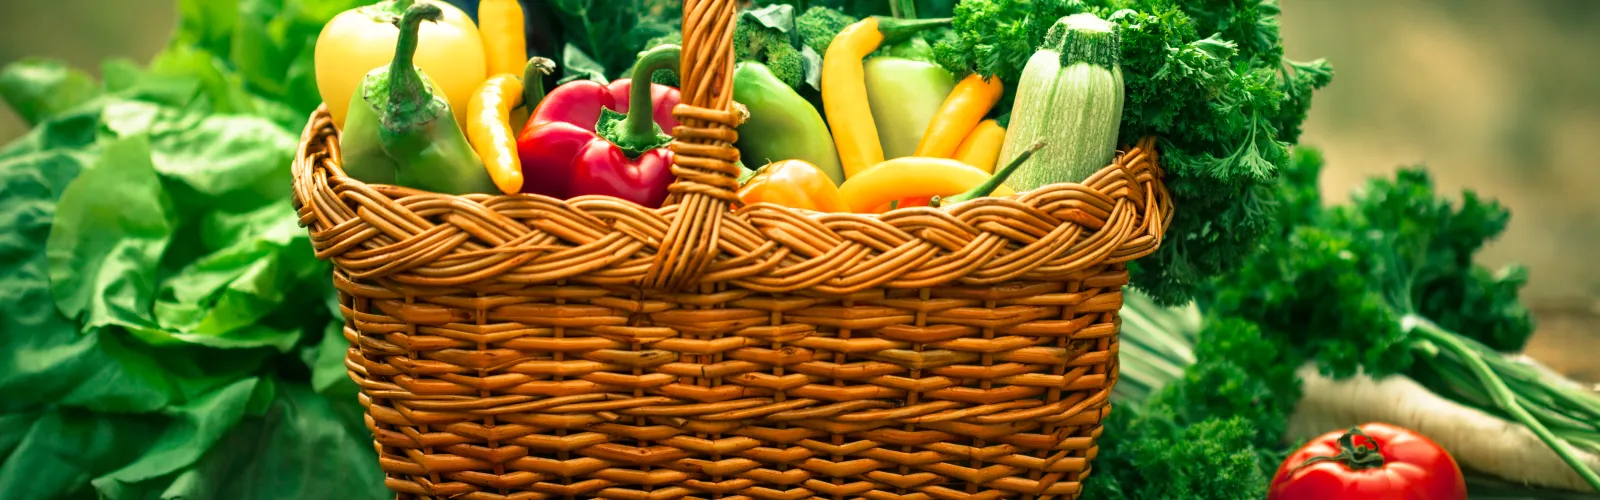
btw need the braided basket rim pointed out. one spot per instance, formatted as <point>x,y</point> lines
<point>410,237</point>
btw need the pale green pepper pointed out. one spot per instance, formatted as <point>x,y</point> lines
<point>400,129</point>
<point>905,90</point>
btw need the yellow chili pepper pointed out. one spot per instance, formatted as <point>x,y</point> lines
<point>505,47</point>
<point>794,184</point>
<point>944,179</point>
<point>844,96</point>
<point>982,147</point>
<point>489,130</point>
<point>844,87</point>
<point>909,177</point>
<point>960,114</point>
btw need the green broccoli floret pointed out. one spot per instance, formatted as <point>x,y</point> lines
<point>663,77</point>
<point>753,41</point>
<point>818,25</point>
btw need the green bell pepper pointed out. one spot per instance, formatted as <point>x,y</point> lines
<point>905,90</point>
<point>782,125</point>
<point>400,129</point>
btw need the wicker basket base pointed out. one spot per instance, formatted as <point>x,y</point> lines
<point>582,391</point>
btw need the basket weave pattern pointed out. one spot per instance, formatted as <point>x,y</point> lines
<point>528,347</point>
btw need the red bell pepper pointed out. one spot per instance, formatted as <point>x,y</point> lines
<point>583,140</point>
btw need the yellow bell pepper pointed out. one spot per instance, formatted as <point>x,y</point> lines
<point>358,40</point>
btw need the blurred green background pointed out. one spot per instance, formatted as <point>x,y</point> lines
<point>1498,96</point>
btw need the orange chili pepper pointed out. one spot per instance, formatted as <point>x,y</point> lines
<point>793,184</point>
<point>982,147</point>
<point>961,112</point>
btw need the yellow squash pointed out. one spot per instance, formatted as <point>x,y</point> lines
<point>358,40</point>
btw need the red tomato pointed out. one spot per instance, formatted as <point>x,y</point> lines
<point>1375,461</point>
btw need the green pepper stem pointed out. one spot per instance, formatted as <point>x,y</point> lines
<point>994,181</point>
<point>903,9</point>
<point>1351,455</point>
<point>410,99</point>
<point>1496,387</point>
<point>388,11</point>
<point>899,30</point>
<point>641,122</point>
<point>533,80</point>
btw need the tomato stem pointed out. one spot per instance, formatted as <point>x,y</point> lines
<point>1353,456</point>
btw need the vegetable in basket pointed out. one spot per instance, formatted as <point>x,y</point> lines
<point>917,177</point>
<point>845,89</point>
<point>767,36</point>
<point>505,49</point>
<point>401,129</point>
<point>490,133</point>
<point>818,26</point>
<point>960,115</point>
<point>981,148</point>
<point>1374,461</point>
<point>904,93</point>
<point>1070,93</point>
<point>497,111</point>
<point>794,184</point>
<point>589,138</point>
<point>358,40</point>
<point>782,124</point>
<point>905,88</point>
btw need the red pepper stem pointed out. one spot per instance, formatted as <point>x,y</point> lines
<point>640,125</point>
<point>410,100</point>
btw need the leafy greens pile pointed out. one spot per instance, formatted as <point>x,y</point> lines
<point>1209,79</point>
<point>1383,285</point>
<point>166,330</point>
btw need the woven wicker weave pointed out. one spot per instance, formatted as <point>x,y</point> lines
<point>528,347</point>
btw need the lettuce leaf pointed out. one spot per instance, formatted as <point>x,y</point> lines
<point>162,314</point>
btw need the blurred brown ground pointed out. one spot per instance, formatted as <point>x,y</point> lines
<point>1497,96</point>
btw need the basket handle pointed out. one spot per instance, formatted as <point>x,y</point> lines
<point>702,146</point>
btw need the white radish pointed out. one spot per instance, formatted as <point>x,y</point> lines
<point>1478,440</point>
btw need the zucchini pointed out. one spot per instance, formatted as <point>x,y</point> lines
<point>1069,97</point>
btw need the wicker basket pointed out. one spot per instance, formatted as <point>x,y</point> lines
<point>529,347</point>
